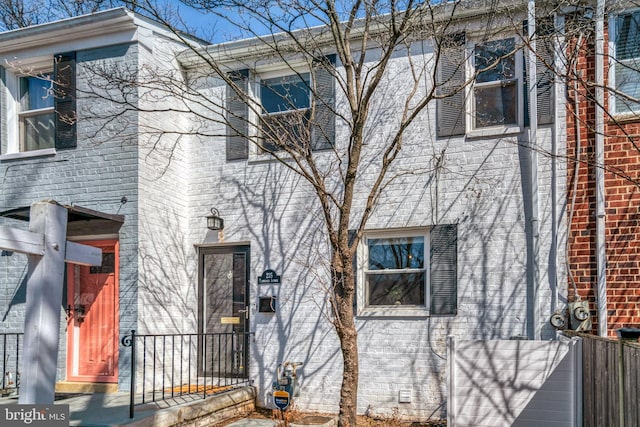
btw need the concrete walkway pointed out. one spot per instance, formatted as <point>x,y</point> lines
<point>112,409</point>
<point>95,409</point>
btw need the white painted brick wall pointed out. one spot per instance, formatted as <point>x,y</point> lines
<point>263,203</point>
<point>165,296</point>
<point>96,174</point>
<point>478,187</point>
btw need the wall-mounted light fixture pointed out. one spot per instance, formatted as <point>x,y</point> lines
<point>214,222</point>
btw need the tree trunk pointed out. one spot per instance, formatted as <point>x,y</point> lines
<point>344,291</point>
<point>349,391</point>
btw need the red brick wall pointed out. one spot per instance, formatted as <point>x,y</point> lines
<point>622,204</point>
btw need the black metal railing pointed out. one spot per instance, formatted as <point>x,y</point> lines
<point>167,367</point>
<point>12,343</point>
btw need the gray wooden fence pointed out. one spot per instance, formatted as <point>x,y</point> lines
<point>610,382</point>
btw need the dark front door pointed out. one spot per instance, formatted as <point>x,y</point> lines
<point>223,312</point>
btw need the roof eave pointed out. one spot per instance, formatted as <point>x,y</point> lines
<point>237,51</point>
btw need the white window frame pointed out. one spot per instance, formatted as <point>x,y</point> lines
<point>497,130</point>
<point>24,114</point>
<point>613,41</point>
<point>255,79</point>
<point>362,269</point>
<point>14,111</point>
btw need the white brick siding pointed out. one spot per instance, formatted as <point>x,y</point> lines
<point>172,183</point>
<point>477,185</point>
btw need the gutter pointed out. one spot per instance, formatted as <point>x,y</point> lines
<point>533,242</point>
<point>79,23</point>
<point>601,260</point>
<point>234,53</point>
<point>98,24</point>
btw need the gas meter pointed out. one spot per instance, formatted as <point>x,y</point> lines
<point>580,317</point>
<point>285,388</point>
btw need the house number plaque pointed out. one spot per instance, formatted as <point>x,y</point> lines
<point>269,277</point>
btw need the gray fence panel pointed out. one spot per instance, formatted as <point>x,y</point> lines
<point>513,383</point>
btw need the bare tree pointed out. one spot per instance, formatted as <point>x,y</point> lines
<point>342,55</point>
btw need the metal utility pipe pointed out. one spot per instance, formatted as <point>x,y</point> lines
<point>599,173</point>
<point>555,131</point>
<point>533,270</point>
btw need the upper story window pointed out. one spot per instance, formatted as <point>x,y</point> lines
<point>36,116</point>
<point>496,89</point>
<point>285,105</point>
<point>627,63</point>
<point>40,108</point>
<point>408,273</point>
<point>295,110</point>
<point>482,86</point>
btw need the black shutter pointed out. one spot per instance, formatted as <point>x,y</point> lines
<point>444,269</point>
<point>237,118</point>
<point>64,67</point>
<point>450,78</point>
<point>323,127</point>
<point>544,74</point>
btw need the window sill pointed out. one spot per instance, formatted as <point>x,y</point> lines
<point>267,158</point>
<point>28,154</point>
<point>623,118</point>
<point>497,131</point>
<point>393,311</point>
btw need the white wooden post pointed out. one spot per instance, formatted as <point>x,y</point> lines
<point>44,296</point>
<point>46,247</point>
<point>451,381</point>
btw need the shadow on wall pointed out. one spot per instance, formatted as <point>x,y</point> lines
<point>166,294</point>
<point>278,213</point>
<point>513,382</point>
<point>14,295</point>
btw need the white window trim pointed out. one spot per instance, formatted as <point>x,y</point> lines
<point>363,259</point>
<point>500,130</point>
<point>255,79</point>
<point>612,42</point>
<point>13,109</point>
<point>15,113</point>
<point>45,152</point>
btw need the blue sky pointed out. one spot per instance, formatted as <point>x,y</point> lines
<point>209,26</point>
<point>217,30</point>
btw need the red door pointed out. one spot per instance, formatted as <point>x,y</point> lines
<point>92,322</point>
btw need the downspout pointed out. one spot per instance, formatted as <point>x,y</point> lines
<point>555,131</point>
<point>533,261</point>
<point>599,174</point>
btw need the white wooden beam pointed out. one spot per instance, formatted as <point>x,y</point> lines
<point>45,280</point>
<point>83,254</point>
<point>21,241</point>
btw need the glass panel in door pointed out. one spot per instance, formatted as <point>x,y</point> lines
<point>223,311</point>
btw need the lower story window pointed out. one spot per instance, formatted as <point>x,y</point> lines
<point>395,274</point>
<point>409,272</point>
